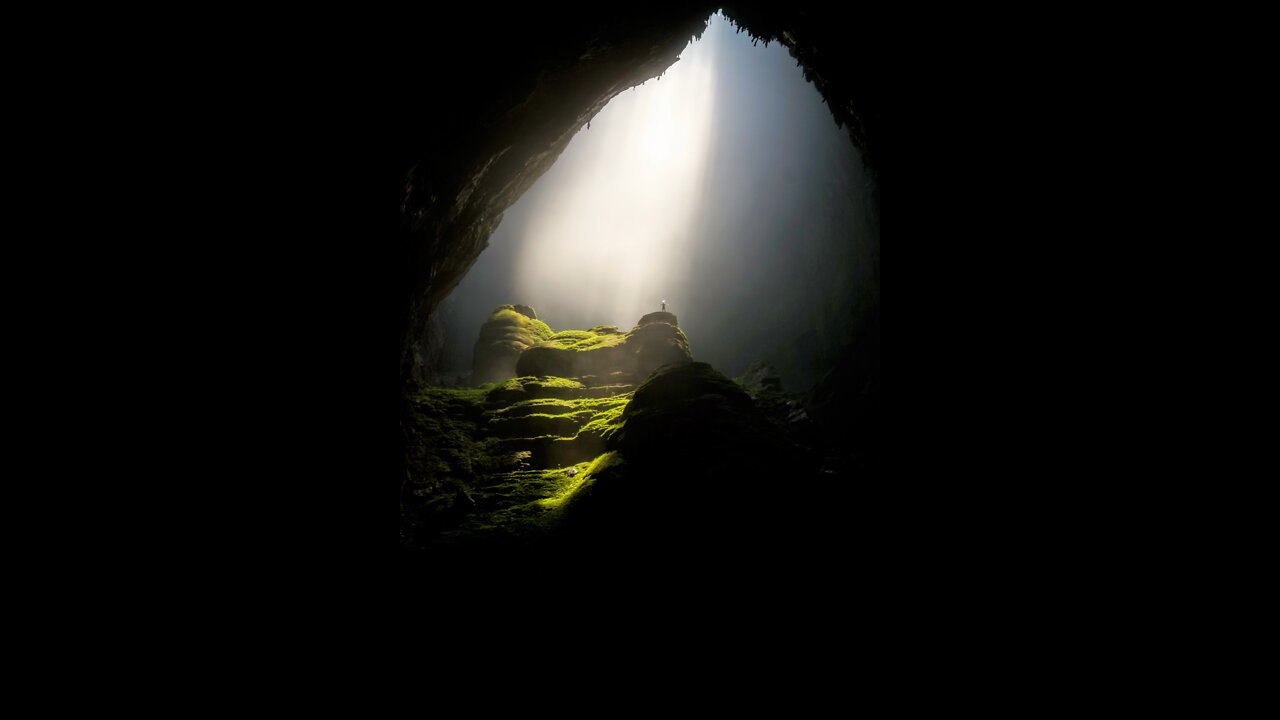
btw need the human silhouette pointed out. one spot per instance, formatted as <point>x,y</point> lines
<point>664,305</point>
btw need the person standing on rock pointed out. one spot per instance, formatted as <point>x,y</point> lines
<point>664,306</point>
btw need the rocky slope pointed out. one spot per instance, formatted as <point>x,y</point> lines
<point>620,442</point>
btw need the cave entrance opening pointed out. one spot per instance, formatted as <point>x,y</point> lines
<point>723,190</point>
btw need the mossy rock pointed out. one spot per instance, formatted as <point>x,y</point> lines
<point>537,425</point>
<point>605,351</point>
<point>509,331</point>
<point>661,316</point>
<point>531,388</point>
<point>692,411</point>
<point>700,458</point>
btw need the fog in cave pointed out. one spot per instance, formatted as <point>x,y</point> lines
<point>724,188</point>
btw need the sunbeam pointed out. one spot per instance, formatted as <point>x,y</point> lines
<point>619,230</point>
<point>723,188</point>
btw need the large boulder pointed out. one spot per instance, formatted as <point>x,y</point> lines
<point>693,413</point>
<point>661,316</point>
<point>606,351</point>
<point>693,457</point>
<point>509,331</point>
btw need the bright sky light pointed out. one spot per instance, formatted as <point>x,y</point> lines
<point>618,233</point>
<point>724,187</point>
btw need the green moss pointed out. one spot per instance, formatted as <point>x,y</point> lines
<point>540,330</point>
<point>517,451</point>
<point>604,350</point>
<point>554,382</point>
<point>565,338</point>
<point>528,503</point>
<point>597,338</point>
<point>529,381</point>
<point>504,335</point>
<point>572,484</point>
<point>529,387</point>
<point>535,329</point>
<point>447,458</point>
<point>598,415</point>
<point>607,422</point>
<point>576,427</point>
<point>561,406</point>
<point>445,443</point>
<point>537,406</point>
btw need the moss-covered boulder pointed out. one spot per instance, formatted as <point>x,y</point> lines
<point>509,331</point>
<point>606,351</point>
<point>693,413</point>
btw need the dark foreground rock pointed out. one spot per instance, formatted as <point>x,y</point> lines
<point>693,462</point>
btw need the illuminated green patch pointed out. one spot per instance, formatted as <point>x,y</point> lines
<point>574,483</point>
<point>535,328</point>
<point>606,422</point>
<point>553,382</point>
<point>528,387</point>
<point>537,406</point>
<point>597,338</point>
<point>527,503</point>
<point>502,462</point>
<point>522,383</point>
<point>560,406</point>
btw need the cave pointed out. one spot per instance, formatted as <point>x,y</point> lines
<point>681,458</point>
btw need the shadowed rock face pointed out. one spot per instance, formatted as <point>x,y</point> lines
<point>689,413</point>
<point>606,351</point>
<point>761,377</point>
<point>694,456</point>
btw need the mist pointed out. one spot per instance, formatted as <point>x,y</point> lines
<point>724,188</point>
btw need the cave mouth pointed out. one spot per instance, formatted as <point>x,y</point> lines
<point>644,443</point>
<point>722,188</point>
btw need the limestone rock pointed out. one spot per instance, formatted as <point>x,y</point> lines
<point>662,316</point>
<point>509,331</point>
<point>606,351</point>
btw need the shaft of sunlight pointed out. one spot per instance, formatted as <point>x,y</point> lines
<point>615,235</point>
